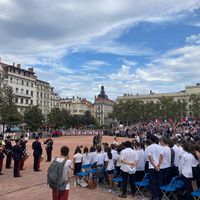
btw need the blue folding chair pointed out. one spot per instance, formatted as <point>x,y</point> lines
<point>142,184</point>
<point>170,189</point>
<point>86,167</point>
<point>196,194</point>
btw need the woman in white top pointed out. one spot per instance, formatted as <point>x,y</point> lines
<point>86,156</point>
<point>78,158</point>
<point>140,167</point>
<point>93,154</point>
<point>185,169</point>
<point>110,167</point>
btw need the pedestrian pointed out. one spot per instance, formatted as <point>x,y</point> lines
<point>24,149</point>
<point>64,158</point>
<point>17,157</point>
<point>49,148</point>
<point>37,153</point>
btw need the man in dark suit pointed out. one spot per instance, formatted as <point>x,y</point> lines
<point>17,157</point>
<point>8,148</point>
<point>2,152</point>
<point>49,148</point>
<point>23,145</point>
<point>37,153</point>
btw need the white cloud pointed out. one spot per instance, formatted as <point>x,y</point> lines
<point>95,65</point>
<point>193,39</point>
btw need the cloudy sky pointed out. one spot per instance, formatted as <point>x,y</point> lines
<point>130,46</point>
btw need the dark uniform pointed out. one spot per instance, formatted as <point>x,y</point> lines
<point>8,148</point>
<point>49,148</point>
<point>2,155</point>
<point>37,152</point>
<point>23,145</point>
<point>17,157</point>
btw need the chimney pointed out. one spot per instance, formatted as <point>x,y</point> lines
<point>18,65</point>
<point>30,69</point>
<point>13,64</point>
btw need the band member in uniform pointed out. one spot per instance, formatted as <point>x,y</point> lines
<point>49,148</point>
<point>23,145</point>
<point>8,149</point>
<point>2,153</point>
<point>97,140</point>
<point>17,157</point>
<point>37,153</point>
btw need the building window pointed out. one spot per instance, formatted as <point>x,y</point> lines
<point>22,91</point>
<point>11,80</point>
<point>31,102</point>
<point>26,101</point>
<point>22,82</point>
<point>27,83</point>
<point>16,100</point>
<point>41,95</point>
<point>32,93</point>
<point>16,90</point>
<point>22,101</point>
<point>31,84</point>
<point>27,92</point>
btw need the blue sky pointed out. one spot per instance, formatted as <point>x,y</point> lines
<point>129,46</point>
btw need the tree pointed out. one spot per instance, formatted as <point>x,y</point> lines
<point>56,118</point>
<point>88,119</point>
<point>195,107</point>
<point>8,109</point>
<point>33,117</point>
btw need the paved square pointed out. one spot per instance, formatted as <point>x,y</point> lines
<point>32,185</point>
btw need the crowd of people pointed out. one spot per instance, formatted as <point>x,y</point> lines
<point>18,153</point>
<point>162,151</point>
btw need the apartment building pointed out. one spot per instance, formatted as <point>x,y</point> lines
<point>183,95</point>
<point>76,105</point>
<point>23,83</point>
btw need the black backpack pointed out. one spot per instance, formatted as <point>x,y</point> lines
<point>54,175</point>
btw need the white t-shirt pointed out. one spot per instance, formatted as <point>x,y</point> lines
<point>110,165</point>
<point>128,155</point>
<point>141,160</point>
<point>93,156</point>
<point>114,154</point>
<point>186,163</point>
<point>86,159</point>
<point>66,168</point>
<point>118,158</point>
<point>166,157</point>
<point>100,158</point>
<point>177,155</point>
<point>154,150</point>
<point>78,157</point>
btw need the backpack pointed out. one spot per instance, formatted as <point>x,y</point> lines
<point>54,175</point>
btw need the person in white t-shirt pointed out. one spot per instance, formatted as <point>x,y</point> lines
<point>185,169</point>
<point>63,195</point>
<point>86,156</point>
<point>155,157</point>
<point>165,167</point>
<point>78,159</point>
<point>129,159</point>
<point>93,154</point>
<point>110,167</point>
<point>140,167</point>
<point>115,142</point>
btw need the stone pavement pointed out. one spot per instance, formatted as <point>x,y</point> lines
<point>32,185</point>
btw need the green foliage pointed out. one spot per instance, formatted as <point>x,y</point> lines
<point>9,114</point>
<point>195,107</point>
<point>136,110</point>
<point>33,118</point>
<point>63,119</point>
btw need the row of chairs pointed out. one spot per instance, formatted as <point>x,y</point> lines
<point>168,191</point>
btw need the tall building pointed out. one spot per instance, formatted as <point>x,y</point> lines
<point>76,105</point>
<point>44,96</point>
<point>23,83</point>
<point>102,107</point>
<point>183,96</point>
<point>54,100</point>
